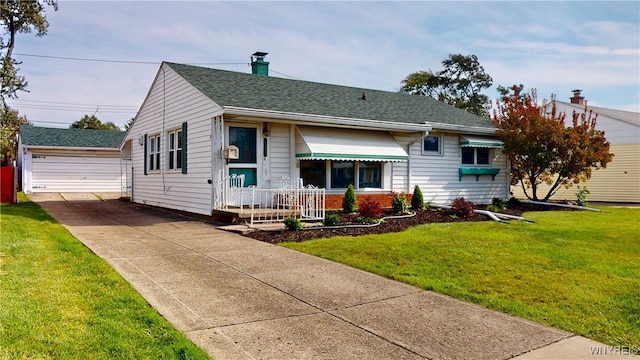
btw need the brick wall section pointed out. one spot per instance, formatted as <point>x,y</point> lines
<point>334,201</point>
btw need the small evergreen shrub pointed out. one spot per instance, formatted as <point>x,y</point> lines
<point>513,201</point>
<point>370,209</point>
<point>331,220</point>
<point>292,224</point>
<point>462,208</point>
<point>417,201</point>
<point>349,202</point>
<point>582,196</point>
<point>498,204</point>
<point>399,203</point>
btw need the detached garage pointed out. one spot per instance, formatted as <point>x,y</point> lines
<point>69,160</point>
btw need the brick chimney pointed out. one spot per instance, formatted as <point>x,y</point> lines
<point>577,99</point>
<point>258,65</point>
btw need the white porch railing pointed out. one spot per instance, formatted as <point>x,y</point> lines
<point>274,205</point>
<point>232,191</point>
<point>285,198</point>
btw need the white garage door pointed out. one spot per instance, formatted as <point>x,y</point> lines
<point>76,173</point>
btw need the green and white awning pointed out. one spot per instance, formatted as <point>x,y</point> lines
<point>481,142</point>
<point>316,143</point>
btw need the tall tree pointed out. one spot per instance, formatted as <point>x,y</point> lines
<point>543,148</point>
<point>18,16</point>
<point>11,122</point>
<point>92,122</point>
<point>459,84</point>
<point>128,124</point>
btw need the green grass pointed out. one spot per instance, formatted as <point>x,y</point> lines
<point>577,271</point>
<point>60,301</point>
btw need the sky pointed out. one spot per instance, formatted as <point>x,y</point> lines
<point>100,57</point>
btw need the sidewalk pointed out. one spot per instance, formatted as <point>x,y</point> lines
<point>239,298</point>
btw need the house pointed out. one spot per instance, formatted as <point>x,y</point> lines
<point>620,180</point>
<point>199,126</point>
<point>70,160</point>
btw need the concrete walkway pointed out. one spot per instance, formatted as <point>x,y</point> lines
<point>243,299</point>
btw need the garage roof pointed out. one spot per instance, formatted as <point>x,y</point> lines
<point>70,138</point>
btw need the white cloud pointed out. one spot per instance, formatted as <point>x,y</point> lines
<point>553,46</point>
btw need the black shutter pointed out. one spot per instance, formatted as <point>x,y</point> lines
<point>184,147</point>
<point>146,154</point>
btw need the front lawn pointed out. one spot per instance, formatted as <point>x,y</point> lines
<point>60,301</point>
<point>577,271</point>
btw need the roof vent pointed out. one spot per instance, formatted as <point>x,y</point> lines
<point>364,95</point>
<point>258,65</point>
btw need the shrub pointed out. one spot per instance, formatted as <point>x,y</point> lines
<point>498,204</point>
<point>349,202</point>
<point>399,203</point>
<point>582,196</point>
<point>331,220</point>
<point>292,224</point>
<point>513,201</point>
<point>462,207</point>
<point>370,209</point>
<point>417,201</point>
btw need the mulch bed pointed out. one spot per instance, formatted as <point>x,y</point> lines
<point>430,215</point>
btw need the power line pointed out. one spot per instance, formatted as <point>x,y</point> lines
<point>120,61</point>
<point>143,62</point>
<point>67,103</point>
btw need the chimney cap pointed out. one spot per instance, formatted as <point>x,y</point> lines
<point>576,92</point>
<point>260,54</point>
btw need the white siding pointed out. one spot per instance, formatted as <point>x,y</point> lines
<point>73,171</point>
<point>437,175</point>
<point>279,155</point>
<point>170,102</point>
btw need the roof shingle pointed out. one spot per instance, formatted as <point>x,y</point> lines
<point>78,138</point>
<point>229,88</point>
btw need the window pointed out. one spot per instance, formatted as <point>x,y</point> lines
<point>313,172</point>
<point>154,152</point>
<point>362,174</point>
<point>342,174</point>
<point>174,156</point>
<point>369,175</point>
<point>245,140</point>
<point>431,145</point>
<point>475,156</point>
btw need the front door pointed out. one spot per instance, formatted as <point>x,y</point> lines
<point>245,137</point>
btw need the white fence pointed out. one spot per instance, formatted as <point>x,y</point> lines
<point>285,198</point>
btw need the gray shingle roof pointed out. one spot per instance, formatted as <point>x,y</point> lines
<point>81,138</point>
<point>229,88</point>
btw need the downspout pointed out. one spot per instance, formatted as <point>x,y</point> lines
<point>409,188</point>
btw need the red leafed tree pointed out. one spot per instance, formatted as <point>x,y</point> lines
<point>543,147</point>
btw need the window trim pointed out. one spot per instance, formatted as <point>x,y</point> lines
<point>475,156</point>
<point>154,155</point>
<point>440,151</point>
<point>356,178</point>
<point>173,151</point>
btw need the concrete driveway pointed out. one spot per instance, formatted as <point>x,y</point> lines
<point>239,298</point>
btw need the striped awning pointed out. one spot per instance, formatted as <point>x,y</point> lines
<point>480,141</point>
<point>315,143</point>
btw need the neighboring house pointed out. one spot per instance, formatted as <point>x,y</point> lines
<point>70,160</point>
<point>198,126</point>
<point>620,181</point>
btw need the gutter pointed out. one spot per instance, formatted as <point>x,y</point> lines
<point>310,119</point>
<point>40,147</point>
<point>472,130</point>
